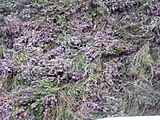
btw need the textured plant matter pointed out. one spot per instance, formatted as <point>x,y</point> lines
<point>79,59</point>
<point>120,6</point>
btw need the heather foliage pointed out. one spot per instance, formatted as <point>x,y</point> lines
<point>78,59</point>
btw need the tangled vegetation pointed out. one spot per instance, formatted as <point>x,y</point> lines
<point>79,59</point>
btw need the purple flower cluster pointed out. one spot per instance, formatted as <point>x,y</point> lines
<point>82,26</point>
<point>21,113</point>
<point>155,9</point>
<point>86,108</point>
<point>5,107</point>
<point>156,69</point>
<point>6,70</point>
<point>101,45</point>
<point>111,71</point>
<point>122,5</point>
<point>12,26</point>
<point>5,111</point>
<point>49,101</point>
